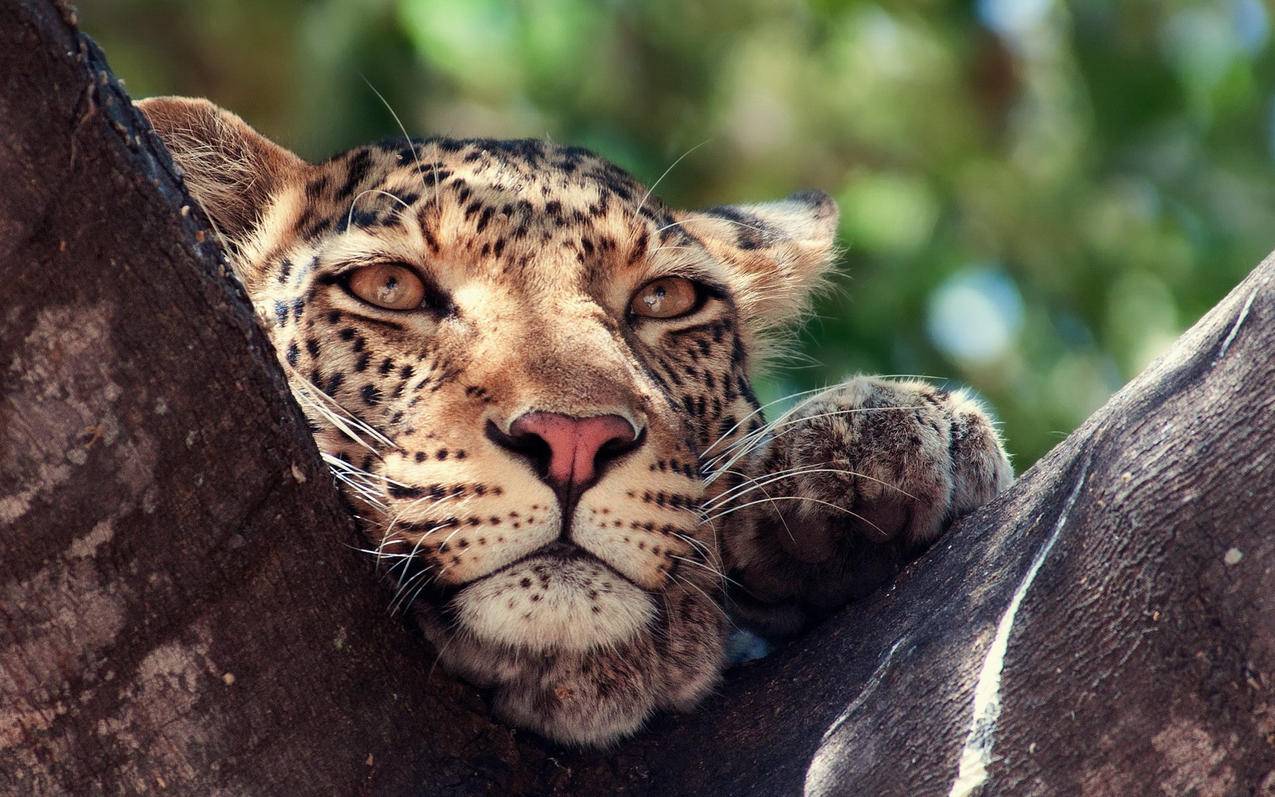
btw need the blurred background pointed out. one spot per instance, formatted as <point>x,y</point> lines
<point>1037,196</point>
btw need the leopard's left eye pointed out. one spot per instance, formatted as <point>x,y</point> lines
<point>390,286</point>
<point>667,297</point>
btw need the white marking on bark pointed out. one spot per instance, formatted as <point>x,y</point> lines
<point>871,686</point>
<point>1235,328</point>
<point>977,753</point>
<point>822,774</point>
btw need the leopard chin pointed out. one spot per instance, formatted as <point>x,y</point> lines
<point>565,601</point>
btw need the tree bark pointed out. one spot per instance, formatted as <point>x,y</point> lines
<point>182,607</point>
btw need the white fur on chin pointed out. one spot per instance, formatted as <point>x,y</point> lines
<point>547,603</point>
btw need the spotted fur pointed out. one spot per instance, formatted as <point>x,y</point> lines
<point>582,626</point>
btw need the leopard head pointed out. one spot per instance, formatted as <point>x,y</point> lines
<point>513,356</point>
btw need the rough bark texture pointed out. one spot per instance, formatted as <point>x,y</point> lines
<point>181,607</point>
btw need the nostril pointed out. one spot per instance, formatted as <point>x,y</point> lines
<point>525,444</point>
<point>567,451</point>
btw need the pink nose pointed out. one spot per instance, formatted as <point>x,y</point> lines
<point>576,447</point>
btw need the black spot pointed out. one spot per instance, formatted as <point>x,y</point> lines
<point>319,227</point>
<point>430,240</point>
<point>371,395</point>
<point>725,426</point>
<point>359,166</point>
<point>315,188</point>
<point>404,491</point>
<point>751,232</point>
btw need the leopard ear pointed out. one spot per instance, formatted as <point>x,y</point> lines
<point>776,252</point>
<point>229,168</point>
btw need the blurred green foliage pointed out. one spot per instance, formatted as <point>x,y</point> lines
<point>1038,196</point>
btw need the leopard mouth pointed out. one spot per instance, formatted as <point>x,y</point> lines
<point>559,597</point>
<point>560,551</point>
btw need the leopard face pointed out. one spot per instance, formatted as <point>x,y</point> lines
<point>530,280</point>
<point>513,355</point>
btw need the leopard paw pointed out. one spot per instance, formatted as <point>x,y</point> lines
<point>893,461</point>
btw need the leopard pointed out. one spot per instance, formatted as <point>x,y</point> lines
<point>532,381</point>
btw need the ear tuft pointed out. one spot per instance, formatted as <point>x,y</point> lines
<point>777,251</point>
<point>229,168</point>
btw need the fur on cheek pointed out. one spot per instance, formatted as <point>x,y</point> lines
<point>548,606</point>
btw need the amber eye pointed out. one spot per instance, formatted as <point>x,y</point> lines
<point>388,285</point>
<point>668,297</point>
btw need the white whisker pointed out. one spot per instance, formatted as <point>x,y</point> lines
<point>349,217</point>
<point>793,473</point>
<point>828,504</point>
<point>672,166</point>
<point>753,441</point>
<point>759,409</point>
<point>420,170</point>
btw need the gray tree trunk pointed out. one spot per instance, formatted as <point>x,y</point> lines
<point>182,608</point>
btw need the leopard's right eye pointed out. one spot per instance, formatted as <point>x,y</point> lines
<point>666,298</point>
<point>389,286</point>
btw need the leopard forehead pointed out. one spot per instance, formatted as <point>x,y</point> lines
<point>498,207</point>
